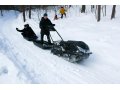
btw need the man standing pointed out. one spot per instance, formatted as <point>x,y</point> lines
<point>44,25</point>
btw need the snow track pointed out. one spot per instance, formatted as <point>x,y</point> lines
<point>7,49</point>
<point>12,55</point>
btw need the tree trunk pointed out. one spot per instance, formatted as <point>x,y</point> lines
<point>105,10</point>
<point>23,11</point>
<point>96,7</point>
<point>99,13</point>
<point>83,9</point>
<point>30,12</point>
<point>113,12</point>
<point>92,8</point>
<point>1,12</point>
<point>70,6</point>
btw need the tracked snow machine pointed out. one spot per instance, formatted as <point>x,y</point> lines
<point>73,51</point>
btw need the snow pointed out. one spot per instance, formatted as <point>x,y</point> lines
<point>22,62</point>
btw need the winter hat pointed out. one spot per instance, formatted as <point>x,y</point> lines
<point>45,14</point>
<point>26,25</point>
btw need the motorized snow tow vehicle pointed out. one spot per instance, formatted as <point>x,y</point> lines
<point>73,50</point>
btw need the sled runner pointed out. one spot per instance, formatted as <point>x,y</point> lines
<point>30,38</point>
<point>44,45</point>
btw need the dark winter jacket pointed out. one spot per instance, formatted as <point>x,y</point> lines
<point>27,31</point>
<point>44,25</point>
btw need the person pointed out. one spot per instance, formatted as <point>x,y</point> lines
<point>27,32</point>
<point>62,12</point>
<point>44,25</point>
<point>56,17</point>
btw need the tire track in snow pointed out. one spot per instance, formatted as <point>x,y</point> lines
<point>8,51</point>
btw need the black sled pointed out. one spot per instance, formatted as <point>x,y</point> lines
<point>73,50</point>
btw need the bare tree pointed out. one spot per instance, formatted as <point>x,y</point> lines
<point>113,12</point>
<point>92,8</point>
<point>23,11</point>
<point>70,6</point>
<point>30,12</point>
<point>99,13</point>
<point>38,14</point>
<point>102,10</point>
<point>96,10</point>
<point>1,12</point>
<point>105,10</point>
<point>83,9</point>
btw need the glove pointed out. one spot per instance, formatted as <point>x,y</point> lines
<point>16,28</point>
<point>53,24</point>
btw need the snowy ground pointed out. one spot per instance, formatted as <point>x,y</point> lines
<point>22,62</point>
